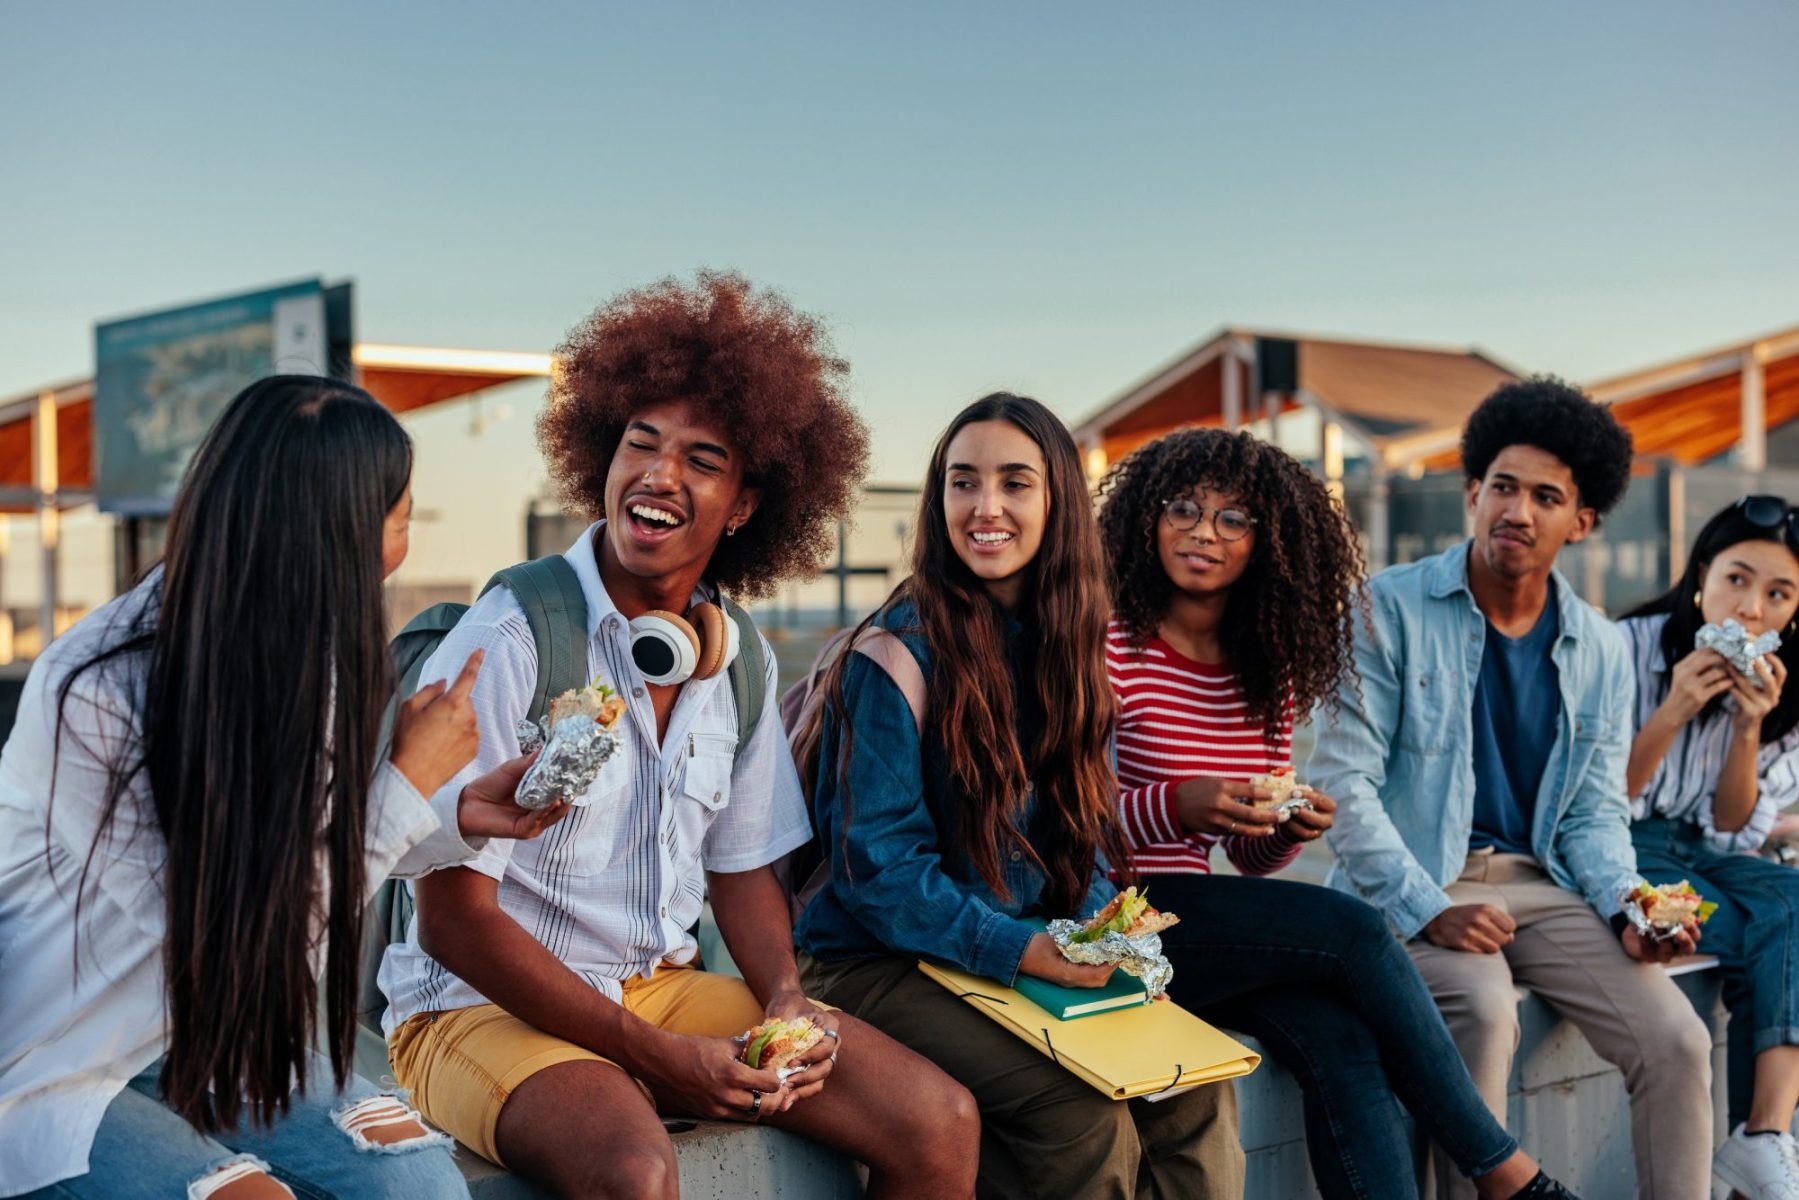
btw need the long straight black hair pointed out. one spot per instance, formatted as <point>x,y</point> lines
<point>1728,528</point>
<point>265,670</point>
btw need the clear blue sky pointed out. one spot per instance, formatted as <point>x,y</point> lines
<point>1051,197</point>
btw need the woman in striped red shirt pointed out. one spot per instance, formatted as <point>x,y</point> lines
<point>1233,576</point>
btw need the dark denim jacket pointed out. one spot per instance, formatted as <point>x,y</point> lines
<point>902,888</point>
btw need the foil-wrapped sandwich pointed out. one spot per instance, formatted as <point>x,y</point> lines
<point>1740,650</point>
<point>1659,911</point>
<point>1287,794</point>
<point>577,738</point>
<point>1127,931</point>
<point>774,1044</point>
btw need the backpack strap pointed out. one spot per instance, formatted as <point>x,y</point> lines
<point>555,606</point>
<point>748,673</point>
<point>890,654</point>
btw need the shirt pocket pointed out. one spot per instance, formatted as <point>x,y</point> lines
<point>1592,730</point>
<point>1429,711</point>
<point>704,788</point>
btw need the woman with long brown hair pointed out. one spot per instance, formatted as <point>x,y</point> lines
<point>194,809</point>
<point>1003,807</point>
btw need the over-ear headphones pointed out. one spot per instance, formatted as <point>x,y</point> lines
<point>670,649</point>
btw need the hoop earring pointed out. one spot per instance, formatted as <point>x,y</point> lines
<point>1695,599</point>
<point>730,531</point>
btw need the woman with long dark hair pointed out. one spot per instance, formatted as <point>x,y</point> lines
<point>1000,808</point>
<point>1714,760</point>
<point>1233,576</point>
<point>193,813</point>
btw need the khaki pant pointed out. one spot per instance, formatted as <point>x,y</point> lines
<point>1044,1131</point>
<point>1631,1013</point>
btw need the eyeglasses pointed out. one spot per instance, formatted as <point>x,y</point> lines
<point>1770,512</point>
<point>1230,524</point>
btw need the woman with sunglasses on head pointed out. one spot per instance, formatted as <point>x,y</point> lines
<point>1233,575</point>
<point>944,833</point>
<point>194,810</point>
<point>1715,758</point>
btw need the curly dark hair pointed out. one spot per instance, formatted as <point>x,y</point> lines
<point>765,372</point>
<point>1560,419</point>
<point>1287,623</point>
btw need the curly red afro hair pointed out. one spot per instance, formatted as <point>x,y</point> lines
<point>766,372</point>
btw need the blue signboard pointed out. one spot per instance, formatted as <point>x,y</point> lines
<point>160,380</point>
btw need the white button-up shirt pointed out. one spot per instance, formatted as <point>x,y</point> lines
<point>613,888</point>
<point>73,1036</point>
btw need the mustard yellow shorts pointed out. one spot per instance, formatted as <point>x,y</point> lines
<point>462,1065</point>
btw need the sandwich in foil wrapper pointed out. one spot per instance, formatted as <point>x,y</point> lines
<point>1660,911</point>
<point>1286,794</point>
<point>577,737</point>
<point>1126,932</point>
<point>1740,650</point>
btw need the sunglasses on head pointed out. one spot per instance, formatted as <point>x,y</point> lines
<point>1771,512</point>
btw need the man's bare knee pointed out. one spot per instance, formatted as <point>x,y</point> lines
<point>243,1178</point>
<point>385,1125</point>
<point>638,1171</point>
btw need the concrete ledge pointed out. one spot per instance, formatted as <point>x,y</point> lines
<point>718,1161</point>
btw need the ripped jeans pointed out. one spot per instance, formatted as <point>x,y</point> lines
<point>325,1148</point>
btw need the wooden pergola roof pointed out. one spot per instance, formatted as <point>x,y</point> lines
<point>401,377</point>
<point>1689,410</point>
<point>1381,392</point>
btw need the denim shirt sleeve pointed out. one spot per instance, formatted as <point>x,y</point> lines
<point>1349,764</point>
<point>889,876</point>
<point>1593,836</point>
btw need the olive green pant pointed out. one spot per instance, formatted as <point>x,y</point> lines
<point>1044,1131</point>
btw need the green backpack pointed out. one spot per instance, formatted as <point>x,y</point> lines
<point>556,608</point>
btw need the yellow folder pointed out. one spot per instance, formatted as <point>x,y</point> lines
<point>1148,1050</point>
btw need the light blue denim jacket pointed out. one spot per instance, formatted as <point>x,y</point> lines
<point>1398,756</point>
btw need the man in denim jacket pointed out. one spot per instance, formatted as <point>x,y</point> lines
<point>1478,769</point>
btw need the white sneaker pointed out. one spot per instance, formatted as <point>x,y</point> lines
<point>1762,1167</point>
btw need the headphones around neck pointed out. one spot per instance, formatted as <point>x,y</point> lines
<point>670,649</point>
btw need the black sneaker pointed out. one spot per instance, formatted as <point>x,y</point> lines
<point>1544,1188</point>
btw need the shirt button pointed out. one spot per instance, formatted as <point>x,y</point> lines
<point>1016,855</point>
<point>665,910</point>
<point>637,692</point>
<point>611,624</point>
<point>717,796</point>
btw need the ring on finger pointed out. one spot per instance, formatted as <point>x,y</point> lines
<point>754,1107</point>
<point>832,1034</point>
<point>1233,826</point>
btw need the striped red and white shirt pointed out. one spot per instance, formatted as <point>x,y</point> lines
<point>1179,718</point>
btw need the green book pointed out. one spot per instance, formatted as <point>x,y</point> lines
<point>1067,1003</point>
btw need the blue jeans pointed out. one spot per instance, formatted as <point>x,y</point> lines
<point>1319,979</point>
<point>1754,933</point>
<point>143,1150</point>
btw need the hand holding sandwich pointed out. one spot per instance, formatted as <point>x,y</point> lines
<point>1043,959</point>
<point>1223,806</point>
<point>706,1077</point>
<point>488,806</point>
<point>815,1057</point>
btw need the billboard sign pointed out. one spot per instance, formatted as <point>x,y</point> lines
<point>160,379</point>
